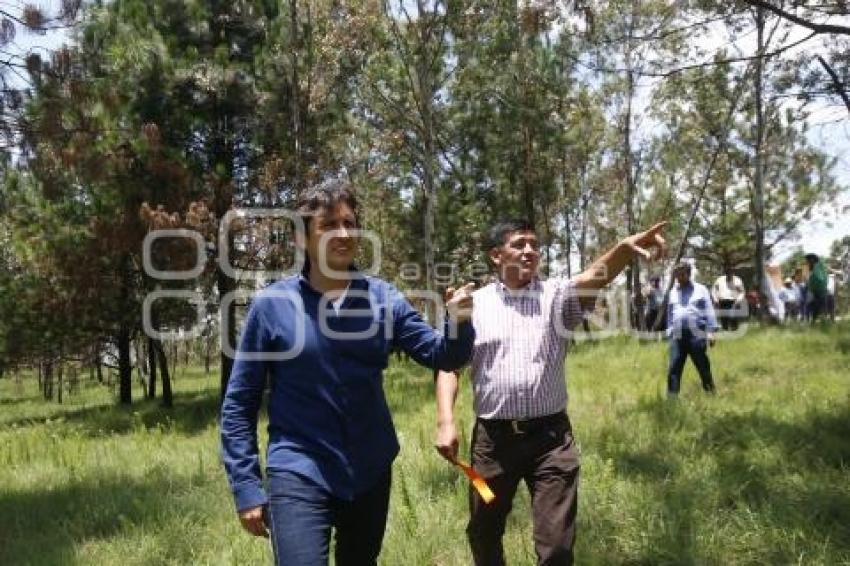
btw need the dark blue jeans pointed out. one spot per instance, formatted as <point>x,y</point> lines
<point>682,347</point>
<point>302,513</point>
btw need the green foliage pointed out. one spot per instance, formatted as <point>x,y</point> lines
<point>695,106</point>
<point>168,114</point>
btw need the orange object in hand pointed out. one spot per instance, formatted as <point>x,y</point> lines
<point>477,482</point>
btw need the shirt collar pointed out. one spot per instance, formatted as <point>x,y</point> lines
<point>533,286</point>
<point>358,281</point>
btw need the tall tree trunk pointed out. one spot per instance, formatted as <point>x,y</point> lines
<point>141,372</point>
<point>151,351</point>
<point>73,380</point>
<point>222,157</point>
<point>173,359</point>
<point>125,369</point>
<point>295,103</point>
<point>426,97</point>
<point>547,239</point>
<point>528,176</point>
<point>758,178</point>
<point>48,380</point>
<point>227,330</point>
<point>582,243</point>
<point>567,244</point>
<point>582,248</point>
<point>167,397</point>
<point>98,366</point>
<point>60,374</point>
<point>566,240</point>
<point>635,306</point>
<point>207,352</point>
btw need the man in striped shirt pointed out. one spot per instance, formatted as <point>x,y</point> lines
<point>522,431</point>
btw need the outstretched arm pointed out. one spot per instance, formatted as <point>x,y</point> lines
<point>611,263</point>
<point>447,351</point>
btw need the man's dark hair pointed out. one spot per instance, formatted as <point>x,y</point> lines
<point>325,196</point>
<point>682,266</point>
<point>500,231</point>
<point>319,198</point>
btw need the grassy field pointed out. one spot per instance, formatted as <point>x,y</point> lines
<point>759,474</point>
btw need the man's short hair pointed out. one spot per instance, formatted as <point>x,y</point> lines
<point>501,230</point>
<point>682,266</point>
<point>325,196</point>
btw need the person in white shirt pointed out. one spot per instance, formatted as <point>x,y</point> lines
<point>728,295</point>
<point>790,295</point>
<point>654,304</point>
<point>830,293</point>
<point>691,325</point>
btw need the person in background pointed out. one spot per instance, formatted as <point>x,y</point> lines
<point>831,284</point>
<point>753,303</point>
<point>817,286</point>
<point>691,325</point>
<point>774,294</point>
<point>728,294</point>
<point>654,301</point>
<point>791,296</point>
<point>800,285</point>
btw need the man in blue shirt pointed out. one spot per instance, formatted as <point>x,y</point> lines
<point>691,325</point>
<point>322,340</point>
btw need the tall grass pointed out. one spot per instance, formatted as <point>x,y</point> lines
<point>757,474</point>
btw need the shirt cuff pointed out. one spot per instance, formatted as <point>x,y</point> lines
<point>466,337</point>
<point>248,496</point>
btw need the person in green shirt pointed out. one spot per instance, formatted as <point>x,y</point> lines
<point>816,285</point>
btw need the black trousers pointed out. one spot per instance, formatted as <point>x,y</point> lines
<point>542,453</point>
<point>728,318</point>
<point>682,347</point>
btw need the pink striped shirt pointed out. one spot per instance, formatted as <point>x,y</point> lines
<point>520,345</point>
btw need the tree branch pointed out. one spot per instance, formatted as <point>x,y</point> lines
<point>677,70</point>
<point>839,87</point>
<point>815,27</point>
<point>32,28</point>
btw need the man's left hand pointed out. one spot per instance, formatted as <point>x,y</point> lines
<point>642,242</point>
<point>459,302</point>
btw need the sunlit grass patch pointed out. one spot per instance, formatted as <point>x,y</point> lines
<point>757,474</point>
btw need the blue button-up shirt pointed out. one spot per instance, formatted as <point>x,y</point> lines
<point>690,309</point>
<point>328,417</point>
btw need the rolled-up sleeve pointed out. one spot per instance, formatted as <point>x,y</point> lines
<point>239,412</point>
<point>571,310</point>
